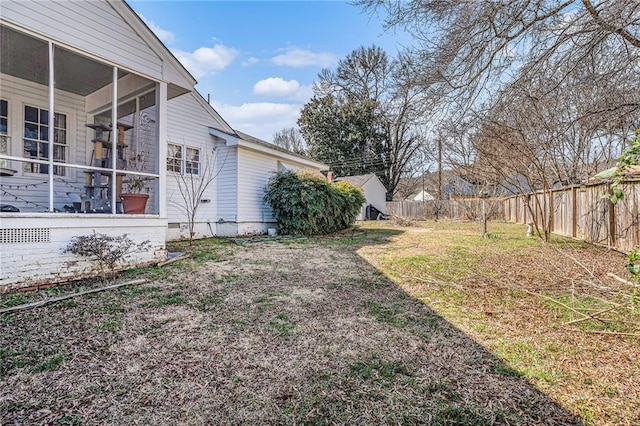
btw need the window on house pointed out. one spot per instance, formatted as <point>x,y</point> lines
<point>4,117</point>
<point>192,161</point>
<point>4,131</point>
<point>183,159</point>
<point>174,158</point>
<point>36,140</point>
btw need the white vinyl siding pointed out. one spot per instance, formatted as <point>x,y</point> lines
<point>255,169</point>
<point>376,194</point>
<point>227,184</point>
<point>188,125</point>
<point>89,25</point>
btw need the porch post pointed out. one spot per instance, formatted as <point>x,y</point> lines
<point>114,139</point>
<point>162,148</point>
<point>51,124</point>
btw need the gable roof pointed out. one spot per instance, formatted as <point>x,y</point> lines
<point>244,140</point>
<point>81,28</point>
<point>252,141</point>
<point>176,68</point>
<point>225,127</point>
<point>359,180</point>
<point>423,195</point>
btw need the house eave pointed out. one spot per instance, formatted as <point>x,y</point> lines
<point>188,83</point>
<point>282,155</point>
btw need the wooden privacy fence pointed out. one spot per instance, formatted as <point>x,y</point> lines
<point>581,212</point>
<point>466,209</point>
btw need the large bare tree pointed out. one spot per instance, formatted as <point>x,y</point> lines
<point>290,139</point>
<point>532,93</point>
<point>469,46</point>
<point>367,78</point>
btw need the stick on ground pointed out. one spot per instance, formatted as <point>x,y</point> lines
<point>68,296</point>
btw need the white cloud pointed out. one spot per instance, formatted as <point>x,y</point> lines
<point>296,57</point>
<point>164,35</point>
<point>278,87</point>
<point>250,61</point>
<point>206,60</point>
<point>275,86</point>
<point>260,119</point>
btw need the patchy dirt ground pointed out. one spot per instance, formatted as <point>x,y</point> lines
<point>389,325</point>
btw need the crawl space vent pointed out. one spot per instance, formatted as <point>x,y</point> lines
<point>24,235</point>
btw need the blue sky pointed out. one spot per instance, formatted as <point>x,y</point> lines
<point>258,59</point>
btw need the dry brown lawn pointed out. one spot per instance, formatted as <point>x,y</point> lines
<point>426,324</point>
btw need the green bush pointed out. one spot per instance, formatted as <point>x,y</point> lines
<point>306,204</point>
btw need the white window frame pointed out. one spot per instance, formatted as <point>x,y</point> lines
<point>174,162</point>
<point>192,164</point>
<point>185,165</point>
<point>28,166</point>
<point>5,137</point>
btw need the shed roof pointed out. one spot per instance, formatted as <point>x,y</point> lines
<point>359,180</point>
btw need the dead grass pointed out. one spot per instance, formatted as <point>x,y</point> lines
<point>328,331</point>
<point>512,295</point>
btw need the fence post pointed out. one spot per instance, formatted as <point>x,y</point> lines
<point>612,224</point>
<point>574,212</point>
<point>552,211</point>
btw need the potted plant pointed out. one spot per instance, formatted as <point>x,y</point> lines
<point>134,201</point>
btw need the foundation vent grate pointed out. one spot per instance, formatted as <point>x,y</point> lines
<point>24,235</point>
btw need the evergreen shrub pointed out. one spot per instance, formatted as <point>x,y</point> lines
<point>306,204</point>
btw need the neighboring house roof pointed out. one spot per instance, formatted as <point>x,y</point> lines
<point>359,180</point>
<point>456,185</point>
<point>423,196</point>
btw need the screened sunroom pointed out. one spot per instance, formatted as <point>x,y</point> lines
<point>84,87</point>
<point>77,135</point>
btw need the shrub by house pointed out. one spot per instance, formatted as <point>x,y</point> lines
<point>306,204</point>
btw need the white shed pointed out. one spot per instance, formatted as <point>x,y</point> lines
<point>374,192</point>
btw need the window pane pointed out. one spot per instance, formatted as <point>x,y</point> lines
<point>3,125</point>
<point>60,120</point>
<point>30,149</point>
<point>4,145</point>
<point>3,108</point>
<point>44,133</point>
<point>44,116</point>
<point>60,136</point>
<point>30,131</point>
<point>44,150</point>
<point>31,114</point>
<point>193,154</point>
<point>58,153</point>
